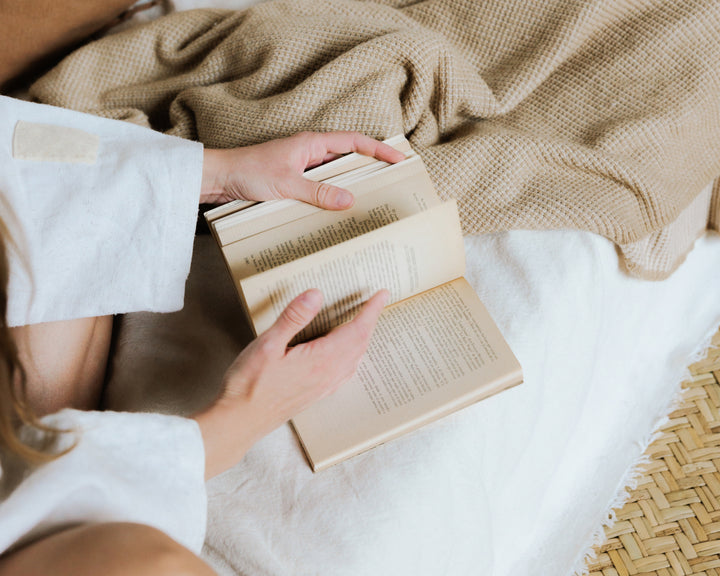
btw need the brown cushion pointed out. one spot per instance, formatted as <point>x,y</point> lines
<point>35,32</point>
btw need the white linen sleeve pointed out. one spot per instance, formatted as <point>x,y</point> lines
<point>103,213</point>
<point>142,468</point>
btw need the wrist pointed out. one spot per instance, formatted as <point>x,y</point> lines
<point>225,433</point>
<point>212,186</point>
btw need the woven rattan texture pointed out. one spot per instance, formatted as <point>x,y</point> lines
<point>671,524</point>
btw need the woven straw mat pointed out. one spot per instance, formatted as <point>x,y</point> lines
<point>670,526</point>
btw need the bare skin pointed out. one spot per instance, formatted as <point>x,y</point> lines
<point>266,385</point>
<point>274,169</point>
<point>111,549</point>
<point>269,383</point>
<point>65,362</point>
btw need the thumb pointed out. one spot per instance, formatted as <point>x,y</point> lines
<point>321,194</point>
<point>298,314</point>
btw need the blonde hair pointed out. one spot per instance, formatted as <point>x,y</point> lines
<point>14,408</point>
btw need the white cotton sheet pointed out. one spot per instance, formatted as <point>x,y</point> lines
<point>515,485</point>
<point>603,356</point>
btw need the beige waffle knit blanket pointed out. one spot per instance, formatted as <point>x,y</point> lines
<point>590,114</point>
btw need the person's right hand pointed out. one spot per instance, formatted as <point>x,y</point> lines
<point>274,169</point>
<point>270,382</point>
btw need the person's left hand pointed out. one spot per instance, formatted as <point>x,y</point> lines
<point>274,169</point>
<point>271,381</point>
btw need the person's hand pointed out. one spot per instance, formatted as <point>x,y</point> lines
<point>270,382</point>
<point>274,169</point>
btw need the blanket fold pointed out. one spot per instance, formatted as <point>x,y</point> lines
<point>593,115</point>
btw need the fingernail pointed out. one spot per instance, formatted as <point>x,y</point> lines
<point>385,297</point>
<point>344,199</point>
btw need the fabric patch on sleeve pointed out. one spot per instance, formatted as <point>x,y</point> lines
<point>52,143</point>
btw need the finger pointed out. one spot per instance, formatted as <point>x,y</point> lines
<point>331,156</point>
<point>320,194</point>
<point>296,316</point>
<point>327,158</point>
<point>356,333</point>
<point>344,142</point>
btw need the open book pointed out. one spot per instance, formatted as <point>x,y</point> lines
<point>435,348</point>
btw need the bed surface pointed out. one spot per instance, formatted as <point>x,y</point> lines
<point>517,484</point>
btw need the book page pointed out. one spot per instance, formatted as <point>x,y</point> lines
<point>430,355</point>
<point>406,257</point>
<point>398,195</point>
<point>226,209</point>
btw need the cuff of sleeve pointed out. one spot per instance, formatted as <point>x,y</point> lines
<point>184,179</point>
<point>141,468</point>
<point>110,237</point>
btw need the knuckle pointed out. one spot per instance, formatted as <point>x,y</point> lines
<point>321,193</point>
<point>266,344</point>
<point>280,189</point>
<point>294,316</point>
